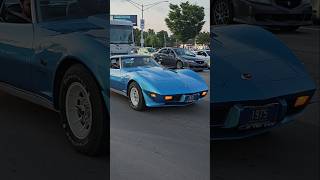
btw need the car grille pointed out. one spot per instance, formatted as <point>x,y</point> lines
<point>290,4</point>
<point>200,62</point>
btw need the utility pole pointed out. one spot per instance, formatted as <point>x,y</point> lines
<point>143,8</point>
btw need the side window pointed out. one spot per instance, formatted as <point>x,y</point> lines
<point>171,53</point>
<point>16,11</point>
<point>115,63</point>
<point>164,51</point>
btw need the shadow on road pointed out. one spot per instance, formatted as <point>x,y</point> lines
<point>33,146</point>
<point>291,152</point>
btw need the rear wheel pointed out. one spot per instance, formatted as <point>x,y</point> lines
<point>83,114</point>
<point>222,12</point>
<point>136,98</point>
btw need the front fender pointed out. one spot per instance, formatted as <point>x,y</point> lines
<point>54,51</point>
<point>144,83</point>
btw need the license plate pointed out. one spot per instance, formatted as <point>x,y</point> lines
<point>259,117</point>
<point>191,98</point>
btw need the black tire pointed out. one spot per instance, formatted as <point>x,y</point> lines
<point>222,12</point>
<point>141,105</point>
<point>97,140</point>
<point>179,65</point>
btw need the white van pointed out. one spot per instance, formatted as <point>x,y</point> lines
<point>121,37</point>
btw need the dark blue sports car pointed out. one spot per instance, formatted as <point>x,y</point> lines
<point>53,53</point>
<point>257,83</point>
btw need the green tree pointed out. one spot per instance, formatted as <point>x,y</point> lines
<point>163,38</point>
<point>203,38</point>
<point>137,36</point>
<point>185,21</point>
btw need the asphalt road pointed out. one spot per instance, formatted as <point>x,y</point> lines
<point>33,146</point>
<point>290,152</point>
<point>161,143</point>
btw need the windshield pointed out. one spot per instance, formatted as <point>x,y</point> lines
<point>151,50</point>
<point>50,10</point>
<point>184,52</point>
<point>121,34</point>
<point>208,52</point>
<point>132,62</point>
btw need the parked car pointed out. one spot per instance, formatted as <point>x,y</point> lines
<point>147,84</point>
<point>256,86</point>
<point>179,58</point>
<point>55,56</point>
<point>147,51</point>
<point>283,14</point>
<point>205,55</point>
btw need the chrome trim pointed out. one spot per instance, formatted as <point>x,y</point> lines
<point>27,95</point>
<point>119,92</point>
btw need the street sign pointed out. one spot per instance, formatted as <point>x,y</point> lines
<point>132,18</point>
<point>142,23</point>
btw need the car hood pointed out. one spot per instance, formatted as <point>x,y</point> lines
<point>93,27</point>
<point>273,68</point>
<point>165,82</point>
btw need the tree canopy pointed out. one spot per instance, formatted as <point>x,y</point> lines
<point>185,21</point>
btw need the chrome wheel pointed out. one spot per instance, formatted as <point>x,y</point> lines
<point>78,110</point>
<point>134,96</point>
<point>221,12</point>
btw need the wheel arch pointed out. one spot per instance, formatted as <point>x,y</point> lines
<point>61,69</point>
<point>128,85</point>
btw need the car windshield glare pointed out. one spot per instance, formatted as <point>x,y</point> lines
<point>184,52</point>
<point>50,10</point>
<point>132,62</point>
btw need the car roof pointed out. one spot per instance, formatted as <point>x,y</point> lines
<point>129,56</point>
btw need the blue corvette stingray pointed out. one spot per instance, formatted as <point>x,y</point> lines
<point>53,53</point>
<point>147,84</point>
<point>257,82</point>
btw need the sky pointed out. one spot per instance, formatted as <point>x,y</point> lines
<point>154,17</point>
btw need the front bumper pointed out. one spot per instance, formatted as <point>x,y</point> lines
<point>196,66</point>
<point>273,15</point>
<point>178,100</point>
<point>221,130</point>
